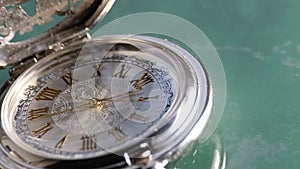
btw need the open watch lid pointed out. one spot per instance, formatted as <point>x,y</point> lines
<point>80,15</point>
<point>175,76</point>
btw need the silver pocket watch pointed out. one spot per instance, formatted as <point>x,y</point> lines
<point>116,101</point>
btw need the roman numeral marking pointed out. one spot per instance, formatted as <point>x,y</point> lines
<point>135,116</point>
<point>37,113</point>
<point>88,143</point>
<point>67,78</point>
<point>142,81</point>
<point>124,70</point>
<point>98,70</point>
<point>48,94</point>
<point>43,130</point>
<point>118,134</point>
<point>61,142</point>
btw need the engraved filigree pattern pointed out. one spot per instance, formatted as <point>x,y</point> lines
<point>13,18</point>
<point>111,117</point>
<point>11,2</point>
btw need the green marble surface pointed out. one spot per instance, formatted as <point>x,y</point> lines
<point>258,42</point>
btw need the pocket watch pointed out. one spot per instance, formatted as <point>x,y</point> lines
<point>116,101</point>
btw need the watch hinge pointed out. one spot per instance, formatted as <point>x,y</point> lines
<point>68,41</point>
<point>76,39</point>
<point>19,68</point>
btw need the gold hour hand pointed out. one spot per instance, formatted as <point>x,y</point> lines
<point>44,113</point>
<point>91,104</point>
<point>124,97</point>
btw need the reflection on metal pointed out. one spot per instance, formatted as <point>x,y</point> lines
<point>219,162</point>
<point>224,161</point>
<point>127,159</point>
<point>219,159</point>
<point>211,154</point>
<point>159,166</point>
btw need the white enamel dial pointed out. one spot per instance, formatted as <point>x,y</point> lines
<point>89,108</point>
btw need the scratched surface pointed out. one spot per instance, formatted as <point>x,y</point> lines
<point>259,45</point>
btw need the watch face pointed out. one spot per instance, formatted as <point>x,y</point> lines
<point>115,96</point>
<point>95,105</point>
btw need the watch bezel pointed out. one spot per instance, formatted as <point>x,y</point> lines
<point>183,134</point>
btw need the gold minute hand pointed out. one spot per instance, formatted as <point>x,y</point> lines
<point>140,99</point>
<point>90,104</point>
<point>93,103</point>
<point>118,97</point>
